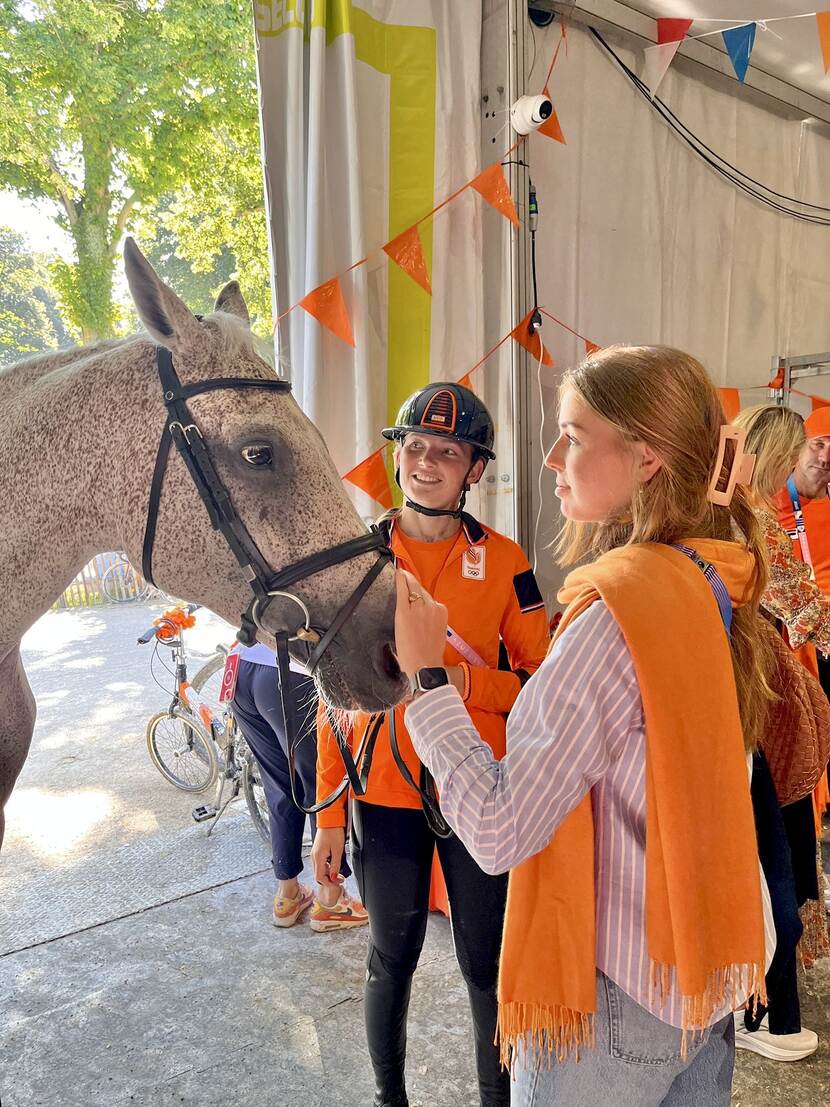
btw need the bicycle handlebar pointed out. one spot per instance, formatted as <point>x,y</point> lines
<point>144,638</point>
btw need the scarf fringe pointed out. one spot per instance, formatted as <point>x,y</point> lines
<point>722,985</point>
<point>546,1031</point>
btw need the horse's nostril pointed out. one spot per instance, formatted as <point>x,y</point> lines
<point>389,662</point>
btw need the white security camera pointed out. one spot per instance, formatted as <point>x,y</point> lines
<point>529,112</point>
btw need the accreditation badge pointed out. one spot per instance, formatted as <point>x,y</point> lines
<point>473,563</point>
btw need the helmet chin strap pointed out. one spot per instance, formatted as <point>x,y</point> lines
<point>436,511</point>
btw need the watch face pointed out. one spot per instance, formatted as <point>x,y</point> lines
<point>432,678</point>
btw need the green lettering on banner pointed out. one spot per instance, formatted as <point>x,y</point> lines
<point>407,55</point>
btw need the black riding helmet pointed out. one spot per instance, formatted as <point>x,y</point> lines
<point>448,410</point>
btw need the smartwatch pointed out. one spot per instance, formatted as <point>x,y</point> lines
<point>427,679</point>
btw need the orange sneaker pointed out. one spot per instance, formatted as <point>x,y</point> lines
<point>345,914</point>
<point>288,910</point>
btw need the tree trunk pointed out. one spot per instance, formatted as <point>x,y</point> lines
<point>92,306</point>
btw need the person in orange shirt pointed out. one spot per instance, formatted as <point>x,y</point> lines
<point>444,439</point>
<point>803,505</point>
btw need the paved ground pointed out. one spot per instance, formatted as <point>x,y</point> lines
<point>137,963</point>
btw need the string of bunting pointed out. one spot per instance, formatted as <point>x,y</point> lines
<point>327,304</point>
<point>372,476</point>
<point>738,38</point>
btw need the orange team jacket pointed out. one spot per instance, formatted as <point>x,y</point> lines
<point>817,525</point>
<point>491,596</point>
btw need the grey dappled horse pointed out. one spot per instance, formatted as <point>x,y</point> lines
<point>79,433</point>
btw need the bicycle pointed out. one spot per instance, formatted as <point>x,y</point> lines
<point>196,743</point>
<point>120,583</point>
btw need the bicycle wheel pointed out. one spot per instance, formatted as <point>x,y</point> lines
<point>181,751</point>
<point>254,795</point>
<point>208,682</point>
<point>122,584</point>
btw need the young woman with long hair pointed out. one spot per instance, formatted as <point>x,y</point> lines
<point>637,917</point>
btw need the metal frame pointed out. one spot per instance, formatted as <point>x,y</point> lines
<point>503,78</point>
<point>797,368</point>
<point>521,284</point>
<point>618,15</point>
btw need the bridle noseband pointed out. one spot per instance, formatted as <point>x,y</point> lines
<point>266,584</point>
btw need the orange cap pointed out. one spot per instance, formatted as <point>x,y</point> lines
<point>817,425</point>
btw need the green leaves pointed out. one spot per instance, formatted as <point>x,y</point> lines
<point>108,105</point>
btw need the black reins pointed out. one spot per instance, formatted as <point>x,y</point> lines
<point>266,584</point>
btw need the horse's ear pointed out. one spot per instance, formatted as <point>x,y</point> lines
<point>168,320</point>
<point>231,300</point>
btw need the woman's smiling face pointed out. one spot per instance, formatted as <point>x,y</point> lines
<point>433,468</point>
<point>597,470</point>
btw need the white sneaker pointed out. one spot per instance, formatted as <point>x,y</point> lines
<point>776,1047</point>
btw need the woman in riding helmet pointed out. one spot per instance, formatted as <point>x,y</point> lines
<point>443,440</point>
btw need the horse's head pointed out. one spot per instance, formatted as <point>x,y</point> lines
<point>282,483</point>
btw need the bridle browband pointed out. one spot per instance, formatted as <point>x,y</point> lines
<point>266,584</point>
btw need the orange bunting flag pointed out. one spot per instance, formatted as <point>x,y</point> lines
<point>492,185</point>
<point>551,127</point>
<point>407,251</point>
<point>531,342</point>
<point>371,477</point>
<point>823,20</point>
<point>328,307</point>
<point>816,402</point>
<point>591,347</point>
<point>465,381</point>
<point>731,400</point>
<point>778,380</point>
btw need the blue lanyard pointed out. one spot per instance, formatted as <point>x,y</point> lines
<point>800,525</point>
<point>715,583</point>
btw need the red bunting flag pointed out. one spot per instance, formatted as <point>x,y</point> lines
<point>551,128</point>
<point>672,30</point>
<point>372,477</point>
<point>731,400</point>
<point>823,21</point>
<point>591,347</point>
<point>492,185</point>
<point>531,342</point>
<point>328,307</point>
<point>407,251</point>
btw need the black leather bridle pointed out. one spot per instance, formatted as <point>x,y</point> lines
<point>266,584</point>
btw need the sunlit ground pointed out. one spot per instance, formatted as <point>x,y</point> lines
<point>88,782</point>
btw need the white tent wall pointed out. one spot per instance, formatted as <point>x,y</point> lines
<point>640,241</point>
<point>371,115</point>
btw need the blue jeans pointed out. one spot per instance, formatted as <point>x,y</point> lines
<point>636,1063</point>
<point>258,712</point>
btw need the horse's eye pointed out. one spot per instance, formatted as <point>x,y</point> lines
<point>258,455</point>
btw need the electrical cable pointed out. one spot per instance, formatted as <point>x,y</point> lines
<point>155,657</point>
<point>718,163</point>
<point>538,522</point>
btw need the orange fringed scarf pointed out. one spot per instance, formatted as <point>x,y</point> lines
<point>704,923</point>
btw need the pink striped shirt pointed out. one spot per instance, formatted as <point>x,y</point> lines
<point>576,728</point>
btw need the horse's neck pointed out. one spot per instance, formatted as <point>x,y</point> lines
<point>61,460</point>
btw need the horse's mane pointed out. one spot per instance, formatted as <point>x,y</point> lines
<point>235,337</point>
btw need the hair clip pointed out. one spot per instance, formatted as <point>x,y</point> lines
<point>740,471</point>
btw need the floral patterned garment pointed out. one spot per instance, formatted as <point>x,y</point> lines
<point>791,595</point>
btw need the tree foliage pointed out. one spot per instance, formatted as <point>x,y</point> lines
<point>108,105</point>
<point>29,318</point>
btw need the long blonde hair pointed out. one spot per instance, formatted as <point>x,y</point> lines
<point>665,398</point>
<point>775,435</point>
